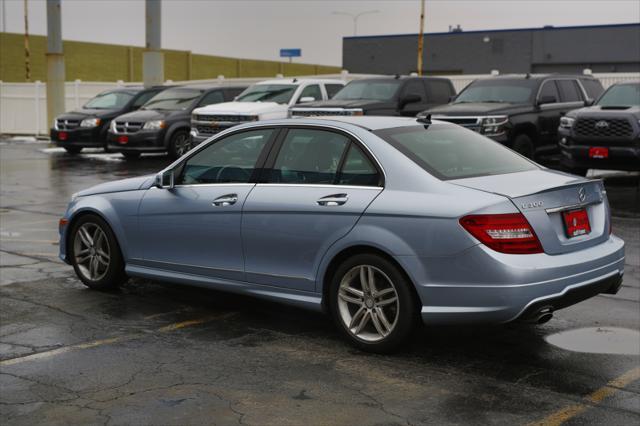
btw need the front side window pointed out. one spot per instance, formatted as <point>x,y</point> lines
<point>452,152</point>
<point>498,91</point>
<point>173,99</point>
<point>415,87</point>
<point>312,91</point>
<point>548,91</point>
<point>621,95</point>
<point>230,160</point>
<point>109,100</point>
<point>384,90</point>
<point>309,156</point>
<point>279,93</point>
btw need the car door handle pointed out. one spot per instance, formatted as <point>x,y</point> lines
<point>225,200</point>
<point>333,200</point>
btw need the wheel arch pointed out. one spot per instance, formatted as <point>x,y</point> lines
<point>77,215</point>
<point>176,127</point>
<point>347,252</point>
<point>526,128</point>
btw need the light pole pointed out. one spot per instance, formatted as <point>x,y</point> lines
<point>355,17</point>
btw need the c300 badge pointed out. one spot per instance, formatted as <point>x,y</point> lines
<point>532,205</point>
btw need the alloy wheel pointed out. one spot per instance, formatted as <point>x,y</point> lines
<point>181,144</point>
<point>91,251</point>
<point>368,303</point>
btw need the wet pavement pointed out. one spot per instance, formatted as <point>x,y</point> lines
<point>167,354</point>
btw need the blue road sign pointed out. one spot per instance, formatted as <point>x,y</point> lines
<point>290,53</point>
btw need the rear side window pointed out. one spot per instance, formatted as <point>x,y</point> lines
<point>449,152</point>
<point>569,91</point>
<point>332,89</point>
<point>309,156</point>
<point>357,169</point>
<point>438,91</point>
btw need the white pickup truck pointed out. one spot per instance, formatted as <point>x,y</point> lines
<point>266,100</point>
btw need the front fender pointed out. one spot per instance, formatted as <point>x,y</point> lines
<point>180,125</point>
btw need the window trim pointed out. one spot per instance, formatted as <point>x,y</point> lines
<point>352,139</point>
<point>279,130</point>
<point>560,104</point>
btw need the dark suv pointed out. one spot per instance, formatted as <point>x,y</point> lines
<point>163,123</point>
<point>382,96</point>
<point>524,112</point>
<point>605,135</point>
<point>87,127</point>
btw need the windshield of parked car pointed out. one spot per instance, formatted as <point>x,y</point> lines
<point>279,93</point>
<point>173,99</point>
<point>498,91</point>
<point>621,95</point>
<point>109,100</point>
<point>376,90</point>
<point>452,152</point>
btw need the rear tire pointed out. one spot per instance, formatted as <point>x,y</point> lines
<point>131,155</point>
<point>179,144</point>
<point>73,150</point>
<point>523,145</point>
<point>95,254</point>
<point>375,318</point>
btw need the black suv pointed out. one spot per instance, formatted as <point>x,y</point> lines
<point>524,112</point>
<point>605,135</point>
<point>163,123</point>
<point>382,96</point>
<point>87,127</point>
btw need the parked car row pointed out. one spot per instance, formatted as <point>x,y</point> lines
<point>531,115</point>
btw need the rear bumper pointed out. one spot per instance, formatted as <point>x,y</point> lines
<point>80,137</point>
<point>480,285</point>
<point>141,141</point>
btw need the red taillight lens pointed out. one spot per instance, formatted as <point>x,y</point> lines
<point>506,233</point>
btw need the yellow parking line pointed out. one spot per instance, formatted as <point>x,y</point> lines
<point>593,398</point>
<point>96,343</point>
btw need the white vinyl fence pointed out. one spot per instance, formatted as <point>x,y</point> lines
<point>23,106</point>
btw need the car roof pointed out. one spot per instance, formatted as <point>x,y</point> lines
<point>301,80</point>
<point>365,122</point>
<point>400,77</point>
<point>537,77</point>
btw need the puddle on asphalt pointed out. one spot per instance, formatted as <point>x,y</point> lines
<point>598,340</point>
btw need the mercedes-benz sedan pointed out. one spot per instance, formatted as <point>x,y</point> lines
<point>379,221</point>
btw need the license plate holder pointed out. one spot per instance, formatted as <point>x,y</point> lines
<point>598,152</point>
<point>576,222</point>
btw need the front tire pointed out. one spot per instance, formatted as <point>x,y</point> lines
<point>372,303</point>
<point>523,145</point>
<point>179,144</point>
<point>95,254</point>
<point>73,150</point>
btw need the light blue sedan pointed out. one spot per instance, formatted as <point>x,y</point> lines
<point>379,221</point>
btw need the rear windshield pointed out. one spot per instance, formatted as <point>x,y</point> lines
<point>452,152</point>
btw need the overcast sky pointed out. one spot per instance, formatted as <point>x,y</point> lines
<point>258,29</point>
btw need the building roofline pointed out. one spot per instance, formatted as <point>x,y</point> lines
<point>455,33</point>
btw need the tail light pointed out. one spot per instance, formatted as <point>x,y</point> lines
<point>506,233</point>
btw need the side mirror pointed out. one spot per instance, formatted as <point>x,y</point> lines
<point>589,102</point>
<point>165,180</point>
<point>409,99</point>
<point>547,99</point>
<point>306,99</point>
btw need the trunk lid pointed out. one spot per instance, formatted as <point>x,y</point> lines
<point>542,196</point>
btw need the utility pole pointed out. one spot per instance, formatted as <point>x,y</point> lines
<point>27,53</point>
<point>153,58</point>
<point>421,38</point>
<point>55,61</point>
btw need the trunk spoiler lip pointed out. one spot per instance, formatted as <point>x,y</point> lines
<point>542,191</point>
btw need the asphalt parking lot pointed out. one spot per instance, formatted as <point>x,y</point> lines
<point>167,354</point>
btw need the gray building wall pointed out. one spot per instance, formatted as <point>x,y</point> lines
<point>606,48</point>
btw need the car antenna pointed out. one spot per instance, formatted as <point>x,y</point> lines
<point>397,76</point>
<point>425,119</point>
<point>528,76</point>
<point>295,80</point>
